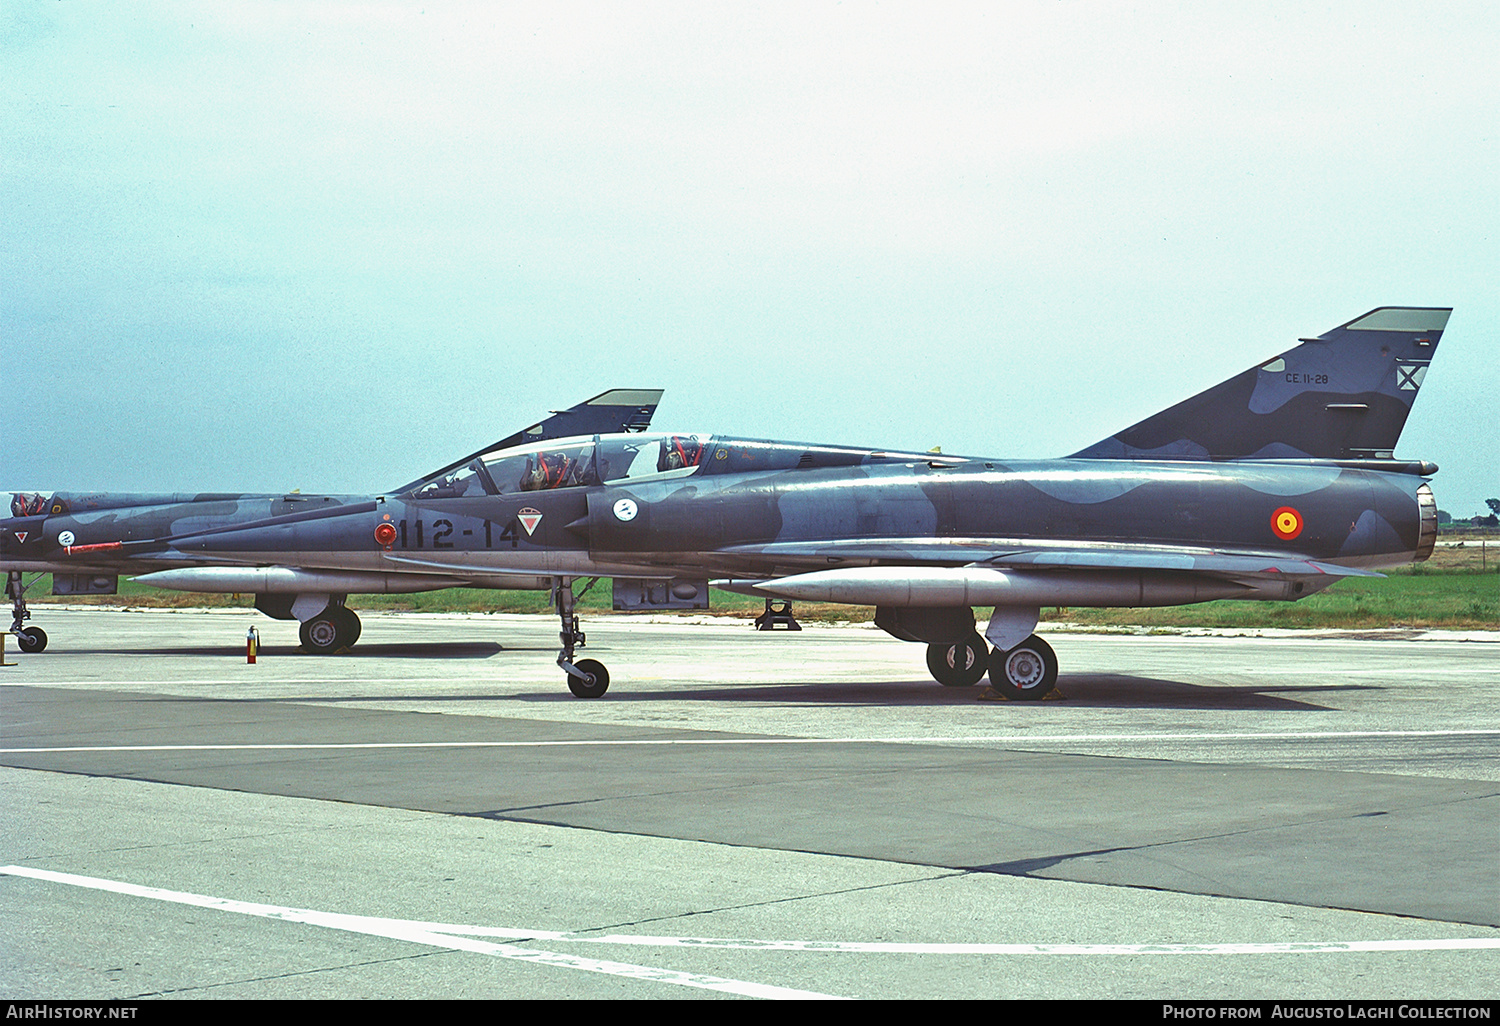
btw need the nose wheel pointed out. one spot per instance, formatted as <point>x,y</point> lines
<point>31,639</point>
<point>594,679</point>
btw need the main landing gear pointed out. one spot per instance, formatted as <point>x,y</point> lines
<point>587,678</point>
<point>961,665</point>
<point>333,630</point>
<point>1023,673</point>
<point>30,639</point>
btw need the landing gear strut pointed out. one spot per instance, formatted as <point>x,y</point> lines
<point>587,678</point>
<point>30,639</point>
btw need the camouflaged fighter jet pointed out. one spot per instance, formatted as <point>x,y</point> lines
<point>276,546</point>
<point>1270,486</point>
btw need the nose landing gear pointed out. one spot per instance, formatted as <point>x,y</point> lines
<point>587,678</point>
<point>30,639</point>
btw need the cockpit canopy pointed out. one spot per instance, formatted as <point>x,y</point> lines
<point>569,463</point>
<point>608,459</point>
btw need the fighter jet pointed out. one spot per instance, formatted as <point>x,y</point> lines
<point>1272,485</point>
<point>87,540</point>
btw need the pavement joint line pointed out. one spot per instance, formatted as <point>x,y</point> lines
<point>665,742</point>
<point>282,976</point>
<point>810,896</point>
<point>419,933</point>
<point>452,935</point>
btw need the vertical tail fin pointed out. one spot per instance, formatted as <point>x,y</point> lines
<point>1344,395</point>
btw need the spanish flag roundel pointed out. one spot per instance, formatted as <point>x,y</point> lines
<point>1287,523</point>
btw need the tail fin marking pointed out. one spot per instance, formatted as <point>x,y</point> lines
<point>1344,395</point>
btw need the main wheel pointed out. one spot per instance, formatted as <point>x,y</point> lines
<point>960,665</point>
<point>351,627</point>
<point>1025,673</point>
<point>329,631</point>
<point>597,682</point>
<point>31,639</point>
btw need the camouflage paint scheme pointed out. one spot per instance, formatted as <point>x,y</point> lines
<point>1271,485</point>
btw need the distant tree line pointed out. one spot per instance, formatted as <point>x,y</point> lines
<point>1492,519</point>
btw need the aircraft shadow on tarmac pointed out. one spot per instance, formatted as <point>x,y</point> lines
<point>1123,690</point>
<point>1102,690</point>
<point>1092,690</point>
<point>1095,690</point>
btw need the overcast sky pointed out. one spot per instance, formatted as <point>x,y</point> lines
<point>329,246</point>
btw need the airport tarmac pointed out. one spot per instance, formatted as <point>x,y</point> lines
<point>744,814</point>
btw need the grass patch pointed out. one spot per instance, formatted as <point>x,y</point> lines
<point>1453,600</point>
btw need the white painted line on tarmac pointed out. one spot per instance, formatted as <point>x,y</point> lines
<point>451,935</point>
<point>417,933</point>
<point>908,948</point>
<point>1016,739</point>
